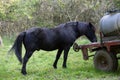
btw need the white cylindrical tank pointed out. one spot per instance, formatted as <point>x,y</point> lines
<point>110,24</point>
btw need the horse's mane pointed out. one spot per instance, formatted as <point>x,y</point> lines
<point>72,23</point>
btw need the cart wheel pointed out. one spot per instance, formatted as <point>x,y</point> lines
<point>105,61</point>
<point>75,47</point>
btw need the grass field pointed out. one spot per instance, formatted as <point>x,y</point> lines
<point>40,67</point>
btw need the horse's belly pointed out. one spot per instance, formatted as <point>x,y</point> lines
<point>49,48</point>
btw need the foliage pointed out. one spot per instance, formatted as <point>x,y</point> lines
<point>19,15</point>
<point>117,3</point>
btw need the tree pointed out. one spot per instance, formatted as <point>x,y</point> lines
<point>19,15</point>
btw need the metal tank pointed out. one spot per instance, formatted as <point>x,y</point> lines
<point>110,24</point>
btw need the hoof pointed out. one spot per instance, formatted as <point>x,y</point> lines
<point>24,73</point>
<point>55,67</point>
<point>64,67</point>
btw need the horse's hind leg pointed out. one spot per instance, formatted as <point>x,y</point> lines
<point>57,57</point>
<point>28,54</point>
<point>66,50</point>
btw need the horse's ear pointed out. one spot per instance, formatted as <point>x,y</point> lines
<point>90,24</point>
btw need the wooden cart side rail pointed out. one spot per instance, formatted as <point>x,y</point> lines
<point>111,43</point>
<point>84,49</point>
<point>107,44</point>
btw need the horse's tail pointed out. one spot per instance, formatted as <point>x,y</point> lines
<point>17,47</point>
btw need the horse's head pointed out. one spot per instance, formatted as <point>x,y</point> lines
<point>90,32</point>
<point>83,28</point>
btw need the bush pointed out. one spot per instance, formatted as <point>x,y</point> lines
<point>19,15</point>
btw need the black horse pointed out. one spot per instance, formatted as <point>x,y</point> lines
<point>61,37</point>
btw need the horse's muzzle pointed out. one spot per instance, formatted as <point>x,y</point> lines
<point>94,40</point>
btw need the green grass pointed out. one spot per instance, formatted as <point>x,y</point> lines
<point>39,66</point>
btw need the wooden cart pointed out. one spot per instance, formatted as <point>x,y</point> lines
<point>105,58</point>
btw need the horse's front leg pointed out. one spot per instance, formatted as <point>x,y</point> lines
<point>66,50</point>
<point>57,57</point>
<point>28,54</point>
